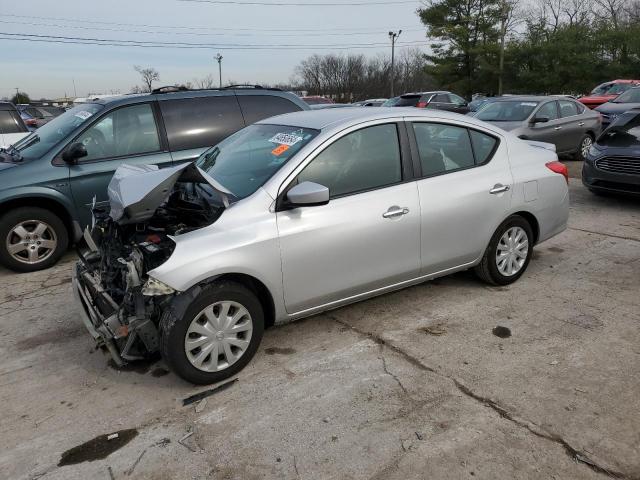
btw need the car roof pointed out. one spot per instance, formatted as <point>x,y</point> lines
<point>7,106</point>
<point>430,92</point>
<point>532,98</point>
<point>335,117</point>
<point>195,93</point>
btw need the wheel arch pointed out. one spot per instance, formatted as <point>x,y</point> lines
<point>46,203</point>
<point>533,221</point>
<point>257,287</point>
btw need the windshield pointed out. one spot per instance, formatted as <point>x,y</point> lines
<point>247,159</point>
<point>611,88</point>
<point>623,132</point>
<point>391,102</point>
<point>510,111</point>
<point>630,96</point>
<point>47,136</point>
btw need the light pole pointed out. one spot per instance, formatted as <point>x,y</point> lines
<point>393,36</point>
<point>218,57</point>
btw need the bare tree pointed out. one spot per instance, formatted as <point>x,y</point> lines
<point>149,75</point>
<point>206,82</point>
<point>508,21</point>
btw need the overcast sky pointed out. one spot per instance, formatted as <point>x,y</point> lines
<point>47,69</point>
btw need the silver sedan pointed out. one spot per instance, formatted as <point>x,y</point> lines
<point>566,123</point>
<point>306,212</point>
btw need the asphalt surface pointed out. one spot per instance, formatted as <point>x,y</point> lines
<point>413,384</point>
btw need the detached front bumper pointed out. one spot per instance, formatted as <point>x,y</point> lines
<point>126,337</point>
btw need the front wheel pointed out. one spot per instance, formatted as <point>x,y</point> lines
<point>216,336</point>
<point>583,147</point>
<point>31,239</point>
<point>508,254</point>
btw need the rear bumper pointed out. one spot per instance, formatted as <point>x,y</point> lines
<point>595,179</point>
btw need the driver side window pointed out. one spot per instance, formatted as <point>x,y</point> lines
<point>124,132</point>
<point>362,160</point>
<point>549,110</point>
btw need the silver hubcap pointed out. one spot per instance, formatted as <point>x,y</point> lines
<point>218,336</point>
<point>31,241</point>
<point>512,251</point>
<point>586,145</point>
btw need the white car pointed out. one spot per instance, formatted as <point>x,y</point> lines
<point>12,128</point>
<point>302,213</point>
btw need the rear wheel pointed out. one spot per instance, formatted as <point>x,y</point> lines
<point>31,239</point>
<point>583,147</point>
<point>217,335</point>
<point>508,254</point>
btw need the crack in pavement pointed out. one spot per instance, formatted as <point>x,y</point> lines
<point>386,370</point>
<point>531,427</point>
<point>604,234</point>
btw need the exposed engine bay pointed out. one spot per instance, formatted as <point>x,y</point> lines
<point>136,234</point>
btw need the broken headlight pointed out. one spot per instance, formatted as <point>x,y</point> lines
<point>155,287</point>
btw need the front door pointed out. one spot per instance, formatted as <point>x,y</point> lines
<point>465,192</point>
<point>366,237</point>
<point>550,131</point>
<point>126,135</point>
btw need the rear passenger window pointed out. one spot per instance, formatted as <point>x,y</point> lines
<point>201,121</point>
<point>362,160</point>
<point>483,146</point>
<point>568,108</point>
<point>441,98</point>
<point>443,148</point>
<point>257,107</point>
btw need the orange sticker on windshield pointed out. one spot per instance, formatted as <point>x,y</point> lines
<point>280,149</point>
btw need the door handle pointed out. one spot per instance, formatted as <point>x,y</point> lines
<point>557,128</point>
<point>395,212</point>
<point>499,188</point>
<point>581,124</point>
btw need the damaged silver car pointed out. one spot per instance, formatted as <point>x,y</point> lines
<point>302,213</point>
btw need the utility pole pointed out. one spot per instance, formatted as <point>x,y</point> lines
<point>218,57</point>
<point>17,95</point>
<point>74,88</point>
<point>393,36</point>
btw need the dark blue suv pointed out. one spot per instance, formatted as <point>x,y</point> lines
<point>49,179</point>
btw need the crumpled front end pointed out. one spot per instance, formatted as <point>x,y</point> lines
<point>121,304</point>
<point>114,309</point>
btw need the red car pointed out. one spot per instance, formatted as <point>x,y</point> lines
<point>607,91</point>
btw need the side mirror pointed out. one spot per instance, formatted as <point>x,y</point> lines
<point>540,120</point>
<point>74,152</point>
<point>308,194</point>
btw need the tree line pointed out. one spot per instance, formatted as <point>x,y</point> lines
<point>494,47</point>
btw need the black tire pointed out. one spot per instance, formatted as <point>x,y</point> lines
<point>585,138</point>
<point>487,270</point>
<point>15,217</point>
<point>174,326</point>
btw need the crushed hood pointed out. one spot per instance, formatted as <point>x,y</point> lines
<point>136,191</point>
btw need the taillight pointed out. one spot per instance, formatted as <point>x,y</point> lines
<point>31,122</point>
<point>560,168</point>
<point>422,105</point>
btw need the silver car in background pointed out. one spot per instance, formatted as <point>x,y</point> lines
<point>302,213</point>
<point>563,121</point>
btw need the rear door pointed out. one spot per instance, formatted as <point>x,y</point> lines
<point>128,134</point>
<point>573,126</point>
<point>367,236</point>
<point>195,124</point>
<point>464,190</point>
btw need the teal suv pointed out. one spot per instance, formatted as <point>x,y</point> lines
<point>50,180</point>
